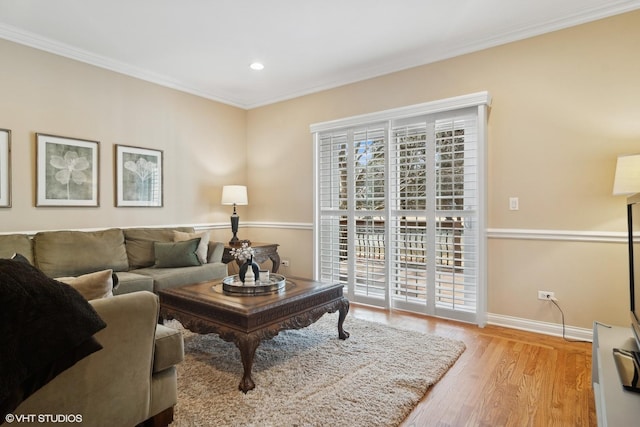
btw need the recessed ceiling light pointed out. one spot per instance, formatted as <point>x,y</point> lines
<point>257,66</point>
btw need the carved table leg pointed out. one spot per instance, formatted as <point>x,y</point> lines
<point>275,260</point>
<point>344,309</point>
<point>247,346</point>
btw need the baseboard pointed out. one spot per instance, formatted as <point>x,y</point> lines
<point>545,328</point>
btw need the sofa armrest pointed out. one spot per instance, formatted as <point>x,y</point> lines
<point>169,348</point>
<point>118,376</point>
<point>216,250</point>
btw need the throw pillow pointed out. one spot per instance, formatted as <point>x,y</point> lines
<point>176,254</point>
<point>20,258</point>
<point>45,327</point>
<point>93,285</point>
<point>203,247</point>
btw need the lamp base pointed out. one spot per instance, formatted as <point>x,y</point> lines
<point>235,219</point>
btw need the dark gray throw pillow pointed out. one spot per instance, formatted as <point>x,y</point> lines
<point>20,258</point>
<point>177,254</point>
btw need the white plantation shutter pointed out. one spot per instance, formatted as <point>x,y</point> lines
<point>332,171</point>
<point>368,214</point>
<point>332,200</point>
<point>456,166</point>
<point>400,208</point>
<point>351,198</point>
<point>368,147</point>
<point>410,185</point>
<point>333,252</point>
<point>411,182</point>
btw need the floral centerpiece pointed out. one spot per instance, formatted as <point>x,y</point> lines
<point>244,254</point>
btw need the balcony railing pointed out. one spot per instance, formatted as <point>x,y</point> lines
<point>411,242</point>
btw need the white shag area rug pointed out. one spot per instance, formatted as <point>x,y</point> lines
<point>309,377</point>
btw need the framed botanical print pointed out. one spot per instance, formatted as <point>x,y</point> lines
<point>138,176</point>
<point>5,168</point>
<point>66,171</point>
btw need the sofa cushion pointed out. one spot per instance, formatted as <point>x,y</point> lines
<point>132,282</point>
<point>176,254</point>
<point>139,243</point>
<point>203,247</point>
<point>16,243</point>
<point>169,348</point>
<point>215,252</point>
<point>92,285</point>
<point>164,278</point>
<point>45,327</point>
<point>72,253</point>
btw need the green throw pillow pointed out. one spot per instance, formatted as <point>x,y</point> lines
<point>176,254</point>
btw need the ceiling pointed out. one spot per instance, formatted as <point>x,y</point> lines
<point>204,47</point>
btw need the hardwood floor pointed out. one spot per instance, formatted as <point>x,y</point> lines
<point>505,377</point>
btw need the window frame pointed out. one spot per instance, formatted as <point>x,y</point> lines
<point>478,102</point>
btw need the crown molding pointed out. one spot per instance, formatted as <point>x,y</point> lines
<point>584,16</point>
<point>36,41</point>
<point>415,59</point>
<point>424,57</point>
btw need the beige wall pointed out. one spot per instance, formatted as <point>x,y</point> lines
<point>564,106</point>
<point>203,141</point>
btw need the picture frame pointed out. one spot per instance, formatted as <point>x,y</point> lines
<point>5,168</point>
<point>67,171</point>
<point>139,176</point>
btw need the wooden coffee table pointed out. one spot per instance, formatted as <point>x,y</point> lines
<point>248,319</point>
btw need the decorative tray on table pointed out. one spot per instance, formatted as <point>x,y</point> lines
<point>233,284</point>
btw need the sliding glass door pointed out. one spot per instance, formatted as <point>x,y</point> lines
<point>399,211</point>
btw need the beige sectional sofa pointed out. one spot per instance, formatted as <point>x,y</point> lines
<point>133,377</point>
<point>129,252</point>
<point>132,380</point>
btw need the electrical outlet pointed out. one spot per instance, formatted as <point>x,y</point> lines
<point>514,203</point>
<point>546,295</point>
<point>284,263</point>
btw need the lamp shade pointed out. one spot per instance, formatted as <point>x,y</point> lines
<point>627,180</point>
<point>234,195</point>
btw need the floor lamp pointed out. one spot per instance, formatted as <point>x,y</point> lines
<point>627,178</point>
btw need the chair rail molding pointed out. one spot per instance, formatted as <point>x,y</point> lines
<point>491,233</point>
<point>558,235</point>
<point>257,224</point>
